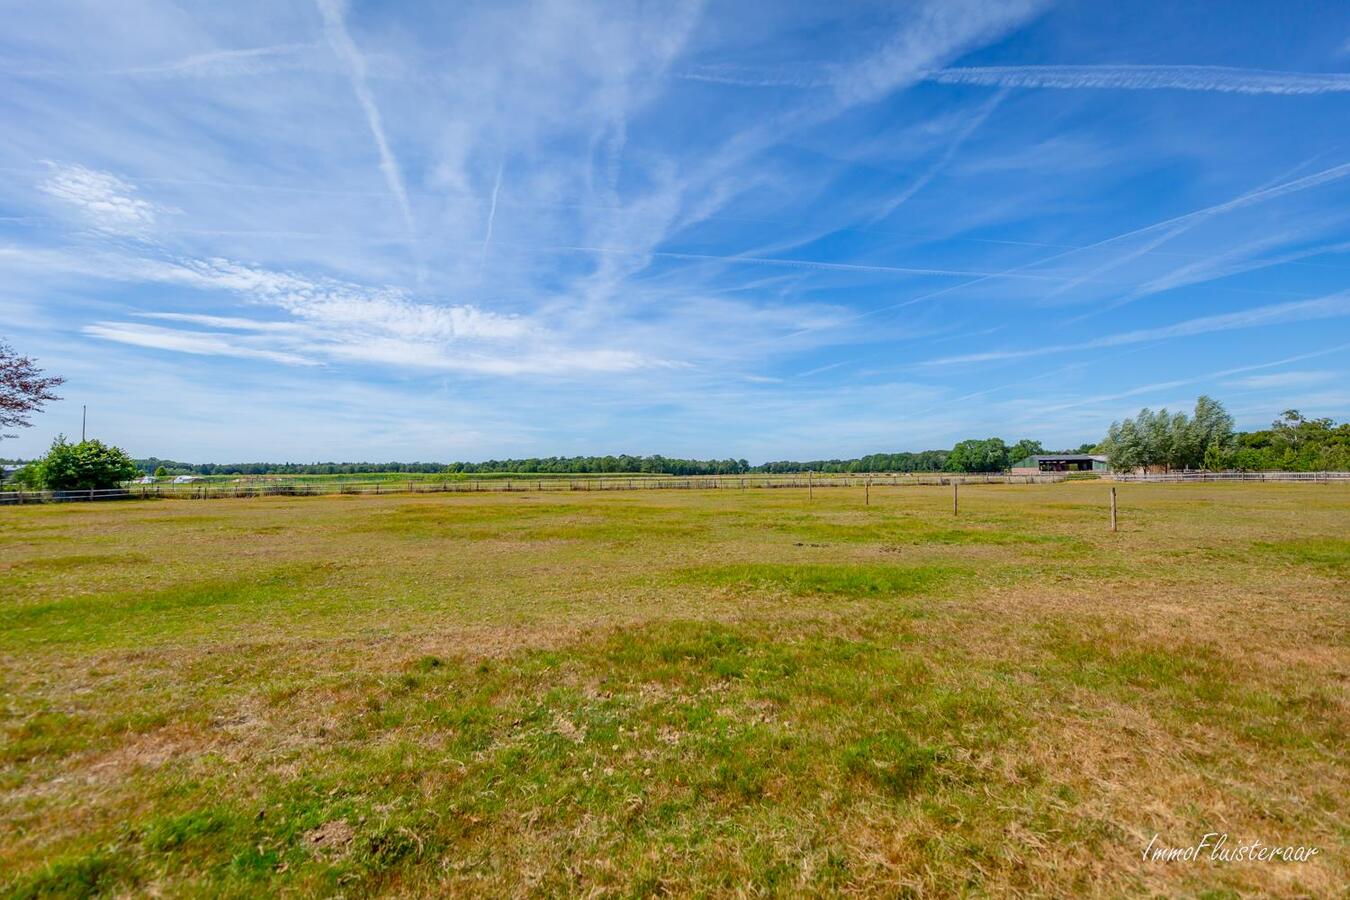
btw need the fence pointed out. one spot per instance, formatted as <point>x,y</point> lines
<point>215,490</point>
<point>1174,477</point>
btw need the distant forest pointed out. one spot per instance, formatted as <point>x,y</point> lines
<point>925,461</point>
<point>922,461</point>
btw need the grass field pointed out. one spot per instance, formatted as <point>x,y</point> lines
<point>686,691</point>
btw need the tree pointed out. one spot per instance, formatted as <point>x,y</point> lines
<point>24,389</point>
<point>88,465</point>
<point>1216,458</point>
<point>161,472</point>
<point>1211,425</point>
<point>989,455</point>
<point>1172,440</point>
<point>1124,446</point>
<point>1024,448</point>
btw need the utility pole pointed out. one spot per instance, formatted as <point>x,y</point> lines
<point>84,420</point>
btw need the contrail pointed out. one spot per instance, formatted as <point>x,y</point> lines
<point>335,29</point>
<point>1298,184</point>
<point>1149,78</point>
<point>492,217</point>
<point>1274,188</point>
<point>1328,307</point>
<point>1220,79</point>
<point>799,263</point>
<point>933,170</point>
<point>249,61</point>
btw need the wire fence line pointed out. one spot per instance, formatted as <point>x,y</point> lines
<point>243,489</point>
<point>219,490</point>
<point>1175,477</point>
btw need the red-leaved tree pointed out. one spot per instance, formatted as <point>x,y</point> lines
<point>23,389</point>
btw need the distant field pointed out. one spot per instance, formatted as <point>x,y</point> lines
<point>684,691</point>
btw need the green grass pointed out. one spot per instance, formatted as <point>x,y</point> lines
<point>689,692</point>
<point>823,580</point>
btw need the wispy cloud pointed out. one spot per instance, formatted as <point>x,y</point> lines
<point>339,321</point>
<point>1178,226</point>
<point>935,33</point>
<point>335,30</point>
<point>1154,388</point>
<point>1281,380</point>
<point>1136,78</point>
<point>223,63</point>
<point>105,201</point>
<point>198,343</point>
<point>653,216</point>
<point>1329,307</point>
<point>1233,261</point>
<point>820,76</point>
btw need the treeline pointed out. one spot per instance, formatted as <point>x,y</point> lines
<point>152,464</point>
<point>623,463</point>
<point>1292,444</point>
<point>1172,441</point>
<point>923,461</point>
<point>1205,439</point>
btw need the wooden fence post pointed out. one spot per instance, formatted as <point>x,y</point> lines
<point>810,487</point>
<point>867,492</point>
<point>1113,507</point>
<point>956,508</point>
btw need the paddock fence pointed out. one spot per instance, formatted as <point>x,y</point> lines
<point>252,487</point>
<point>243,488</point>
<point>1189,477</point>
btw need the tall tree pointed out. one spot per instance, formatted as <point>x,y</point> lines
<point>24,389</point>
<point>989,455</point>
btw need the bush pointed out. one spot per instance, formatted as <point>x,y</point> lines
<point>88,465</point>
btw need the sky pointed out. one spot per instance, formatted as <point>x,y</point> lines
<point>302,230</point>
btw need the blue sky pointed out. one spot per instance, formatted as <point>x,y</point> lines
<point>308,230</point>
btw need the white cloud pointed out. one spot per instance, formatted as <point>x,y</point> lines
<point>340,321</point>
<point>200,343</point>
<point>105,201</point>
<point>336,303</point>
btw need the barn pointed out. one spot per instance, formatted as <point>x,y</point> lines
<point>1060,462</point>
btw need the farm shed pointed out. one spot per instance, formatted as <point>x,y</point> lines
<point>1060,462</point>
